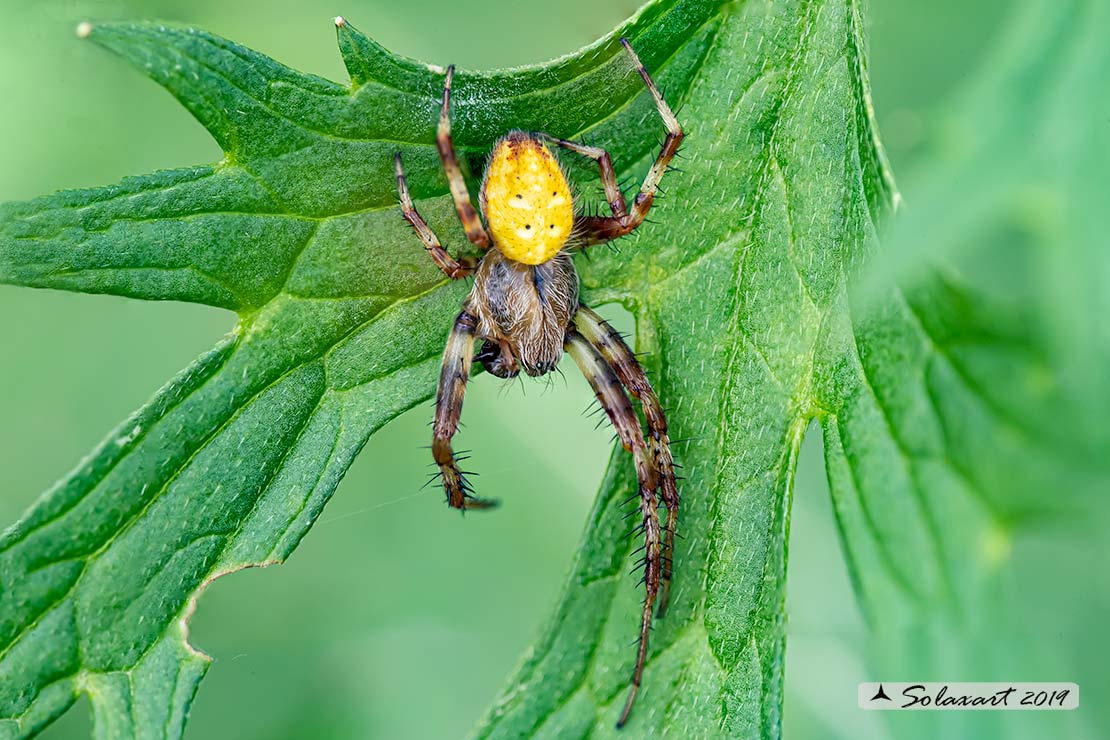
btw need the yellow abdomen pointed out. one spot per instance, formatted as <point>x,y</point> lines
<point>526,200</point>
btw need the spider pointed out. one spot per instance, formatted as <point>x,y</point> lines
<point>524,307</point>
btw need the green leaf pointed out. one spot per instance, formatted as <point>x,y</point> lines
<point>998,422</point>
<point>742,295</point>
<point>342,320</point>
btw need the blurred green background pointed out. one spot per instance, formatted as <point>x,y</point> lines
<point>395,618</point>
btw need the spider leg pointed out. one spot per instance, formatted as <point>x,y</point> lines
<point>457,357</point>
<point>497,359</point>
<point>471,222</point>
<point>600,229</point>
<point>451,267</point>
<point>613,349</point>
<point>611,396</point>
<point>613,191</point>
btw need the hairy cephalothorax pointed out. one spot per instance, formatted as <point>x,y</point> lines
<point>524,307</point>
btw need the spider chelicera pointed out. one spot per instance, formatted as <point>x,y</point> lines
<point>524,306</point>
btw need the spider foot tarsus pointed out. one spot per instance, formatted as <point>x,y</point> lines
<point>460,493</point>
<point>652,565</point>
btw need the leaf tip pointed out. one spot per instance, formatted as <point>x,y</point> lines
<point>84,30</point>
<point>364,58</point>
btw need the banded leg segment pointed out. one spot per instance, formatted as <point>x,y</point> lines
<point>457,358</point>
<point>613,192</point>
<point>600,229</point>
<point>471,222</point>
<point>610,394</point>
<point>451,267</point>
<point>613,349</point>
